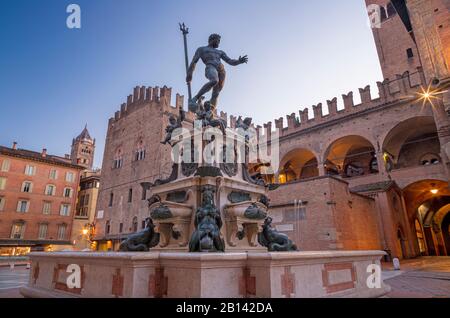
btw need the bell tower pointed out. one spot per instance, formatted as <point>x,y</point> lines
<point>83,147</point>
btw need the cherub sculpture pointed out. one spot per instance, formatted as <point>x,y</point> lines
<point>205,113</point>
<point>174,123</point>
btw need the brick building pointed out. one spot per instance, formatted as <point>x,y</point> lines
<point>372,175</point>
<point>38,194</point>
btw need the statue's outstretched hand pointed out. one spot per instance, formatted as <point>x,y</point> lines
<point>189,78</point>
<point>243,59</point>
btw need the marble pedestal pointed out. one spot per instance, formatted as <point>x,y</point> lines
<point>209,275</point>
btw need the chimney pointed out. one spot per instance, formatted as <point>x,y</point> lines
<point>44,152</point>
<point>14,146</point>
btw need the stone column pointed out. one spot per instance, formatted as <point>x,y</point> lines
<point>321,168</point>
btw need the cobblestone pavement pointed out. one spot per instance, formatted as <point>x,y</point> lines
<point>12,280</point>
<point>425,277</point>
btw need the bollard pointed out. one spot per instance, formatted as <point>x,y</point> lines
<point>396,263</point>
<point>11,266</point>
<point>28,265</point>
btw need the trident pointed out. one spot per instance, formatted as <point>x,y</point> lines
<point>185,32</point>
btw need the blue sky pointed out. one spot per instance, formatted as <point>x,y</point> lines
<point>53,79</point>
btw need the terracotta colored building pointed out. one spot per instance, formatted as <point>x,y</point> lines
<point>83,223</point>
<point>371,175</point>
<point>38,194</point>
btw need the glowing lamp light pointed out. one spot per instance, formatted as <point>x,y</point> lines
<point>427,95</point>
<point>434,191</point>
<point>85,231</point>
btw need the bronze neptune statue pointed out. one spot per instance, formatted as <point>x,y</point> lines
<point>215,71</point>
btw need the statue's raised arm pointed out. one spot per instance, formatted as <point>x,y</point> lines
<point>215,71</point>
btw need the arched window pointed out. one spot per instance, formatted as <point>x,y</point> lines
<point>135,224</point>
<point>108,227</point>
<point>139,153</point>
<point>118,160</point>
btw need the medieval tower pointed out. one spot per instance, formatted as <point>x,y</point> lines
<point>82,150</point>
<point>410,34</point>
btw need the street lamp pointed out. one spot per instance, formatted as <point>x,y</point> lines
<point>89,232</point>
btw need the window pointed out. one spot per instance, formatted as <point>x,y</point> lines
<point>70,177</point>
<point>18,230</point>
<point>50,190</point>
<point>47,208</point>
<point>68,192</point>
<point>143,224</point>
<point>2,204</point>
<point>53,174</point>
<point>135,224</point>
<point>86,199</point>
<point>139,155</point>
<point>130,195</point>
<point>82,211</point>
<point>30,170</point>
<point>409,53</point>
<point>108,227</point>
<point>27,187</point>
<point>62,231</point>
<point>65,210</point>
<point>118,160</point>
<point>118,163</point>
<point>2,183</point>
<point>42,231</point>
<point>23,206</point>
<point>391,10</point>
<point>5,165</point>
<point>383,14</point>
<point>120,227</point>
<point>111,199</point>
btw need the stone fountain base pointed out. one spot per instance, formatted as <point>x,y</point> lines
<point>207,275</point>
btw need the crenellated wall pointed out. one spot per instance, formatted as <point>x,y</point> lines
<point>143,96</point>
<point>389,91</point>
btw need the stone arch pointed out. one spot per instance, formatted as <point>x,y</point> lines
<point>298,164</point>
<point>410,140</point>
<point>428,201</point>
<point>350,156</point>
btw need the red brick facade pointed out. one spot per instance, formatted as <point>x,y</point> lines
<point>27,176</point>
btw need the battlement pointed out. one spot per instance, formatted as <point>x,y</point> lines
<point>389,91</point>
<point>148,96</point>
